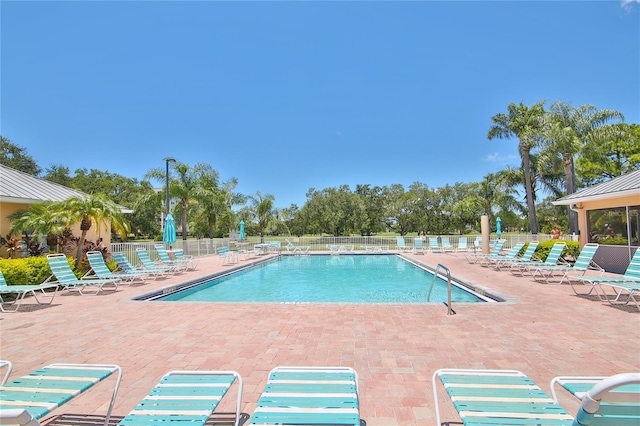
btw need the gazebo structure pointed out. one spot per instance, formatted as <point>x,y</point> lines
<point>609,214</point>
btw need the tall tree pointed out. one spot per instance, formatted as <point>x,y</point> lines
<point>57,173</point>
<point>374,205</point>
<point>610,152</point>
<point>16,157</point>
<point>567,130</point>
<point>524,123</point>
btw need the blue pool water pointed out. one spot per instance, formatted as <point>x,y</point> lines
<point>325,278</point>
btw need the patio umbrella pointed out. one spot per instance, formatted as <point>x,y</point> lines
<point>498,227</point>
<point>241,230</point>
<point>169,236</point>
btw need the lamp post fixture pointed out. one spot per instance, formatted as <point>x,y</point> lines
<point>167,161</point>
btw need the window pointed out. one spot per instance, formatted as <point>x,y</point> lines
<point>613,226</point>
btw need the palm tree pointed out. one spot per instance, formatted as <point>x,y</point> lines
<point>524,123</point>
<point>567,129</point>
<point>495,191</point>
<point>39,220</point>
<point>183,186</point>
<point>263,210</point>
<point>88,210</point>
<point>209,199</point>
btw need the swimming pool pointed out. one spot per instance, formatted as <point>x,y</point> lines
<point>325,278</point>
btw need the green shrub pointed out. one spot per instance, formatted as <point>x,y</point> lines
<point>29,270</point>
<point>570,252</point>
<point>613,241</point>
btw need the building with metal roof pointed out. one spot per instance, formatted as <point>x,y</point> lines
<point>18,190</point>
<point>17,187</point>
<point>609,214</point>
<point>620,187</point>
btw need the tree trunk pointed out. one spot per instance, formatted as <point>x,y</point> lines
<point>531,206</point>
<point>80,251</point>
<point>569,173</point>
<point>184,223</point>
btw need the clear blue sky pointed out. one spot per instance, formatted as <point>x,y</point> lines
<point>288,96</point>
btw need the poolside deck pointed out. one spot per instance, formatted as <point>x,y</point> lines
<point>545,331</point>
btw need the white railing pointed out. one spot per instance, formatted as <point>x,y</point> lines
<point>204,247</point>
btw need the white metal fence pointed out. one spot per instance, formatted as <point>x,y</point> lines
<point>204,247</point>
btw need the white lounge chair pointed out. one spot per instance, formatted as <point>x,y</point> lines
<point>21,291</point>
<point>292,248</point>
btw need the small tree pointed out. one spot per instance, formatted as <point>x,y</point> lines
<point>262,206</point>
<point>90,209</point>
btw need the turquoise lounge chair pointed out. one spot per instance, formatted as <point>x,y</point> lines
<point>191,262</point>
<point>126,266</point>
<point>309,395</point>
<point>100,270</point>
<point>228,257</point>
<point>38,393</point>
<point>526,257</point>
<point>185,397</point>
<point>495,250</point>
<point>148,264</point>
<point>434,245</point>
<point>583,263</point>
<point>627,284</point>
<point>522,267</point>
<point>165,259</point>
<point>493,259</point>
<point>418,246</point>
<point>446,244</point>
<point>64,276</point>
<point>631,275</point>
<point>498,397</point>
<point>509,397</point>
<point>613,400</point>
<point>463,244</point>
<point>21,291</point>
<point>400,244</point>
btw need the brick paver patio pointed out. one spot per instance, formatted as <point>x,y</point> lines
<point>544,331</point>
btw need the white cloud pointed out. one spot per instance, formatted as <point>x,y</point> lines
<point>628,4</point>
<point>497,157</point>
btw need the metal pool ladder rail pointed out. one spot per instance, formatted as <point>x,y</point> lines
<point>433,282</point>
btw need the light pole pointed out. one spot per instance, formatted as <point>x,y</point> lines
<point>167,161</point>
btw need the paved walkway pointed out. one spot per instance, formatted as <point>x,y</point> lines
<point>544,331</point>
